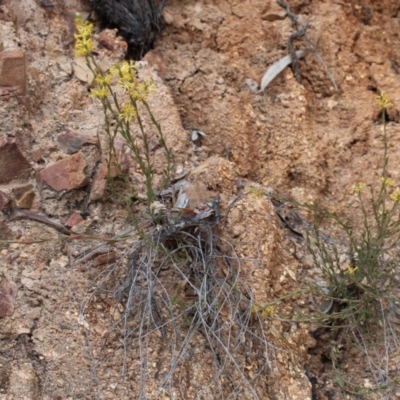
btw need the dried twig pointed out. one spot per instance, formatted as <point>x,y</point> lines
<point>299,33</point>
<point>19,213</point>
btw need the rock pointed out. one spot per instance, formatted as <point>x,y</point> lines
<point>66,174</point>
<point>13,70</point>
<point>24,196</point>
<point>107,39</point>
<point>274,13</point>
<point>29,283</point>
<point>13,165</point>
<point>26,200</point>
<point>37,155</point>
<point>82,228</point>
<point>105,258</point>
<point>99,184</point>
<point>5,202</point>
<point>71,142</point>
<point>82,71</point>
<point>216,173</point>
<point>7,295</point>
<point>74,219</point>
<point>19,191</point>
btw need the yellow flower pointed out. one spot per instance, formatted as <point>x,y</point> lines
<point>255,191</point>
<point>383,100</point>
<point>358,187</point>
<point>126,78</point>
<point>103,80</point>
<point>140,92</point>
<point>125,71</point>
<point>101,92</point>
<point>85,28</point>
<point>395,196</point>
<point>265,311</point>
<point>268,311</point>
<point>83,41</point>
<point>128,86</point>
<point>387,181</point>
<point>83,47</point>
<point>125,68</point>
<point>129,112</point>
<point>254,309</point>
<point>351,270</point>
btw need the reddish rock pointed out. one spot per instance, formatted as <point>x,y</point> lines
<point>13,70</point>
<point>7,295</point>
<point>105,258</point>
<point>66,174</point>
<point>74,219</point>
<point>13,165</point>
<point>71,142</point>
<point>107,39</point>
<point>37,155</point>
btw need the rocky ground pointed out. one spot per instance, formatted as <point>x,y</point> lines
<point>61,334</point>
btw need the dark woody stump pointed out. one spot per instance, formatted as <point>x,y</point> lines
<point>138,21</point>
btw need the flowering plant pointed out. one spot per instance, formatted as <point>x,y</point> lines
<point>123,109</point>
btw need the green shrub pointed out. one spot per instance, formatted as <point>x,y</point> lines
<point>357,296</point>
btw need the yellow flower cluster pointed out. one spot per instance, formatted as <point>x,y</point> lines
<point>358,187</point>
<point>83,40</point>
<point>128,112</point>
<point>126,74</point>
<point>103,81</point>
<point>268,311</point>
<point>100,92</point>
<point>140,92</point>
<point>265,311</point>
<point>395,196</point>
<point>383,100</point>
<point>386,181</point>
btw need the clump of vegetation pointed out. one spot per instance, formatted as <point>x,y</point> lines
<point>359,295</point>
<point>123,106</point>
<point>184,287</point>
